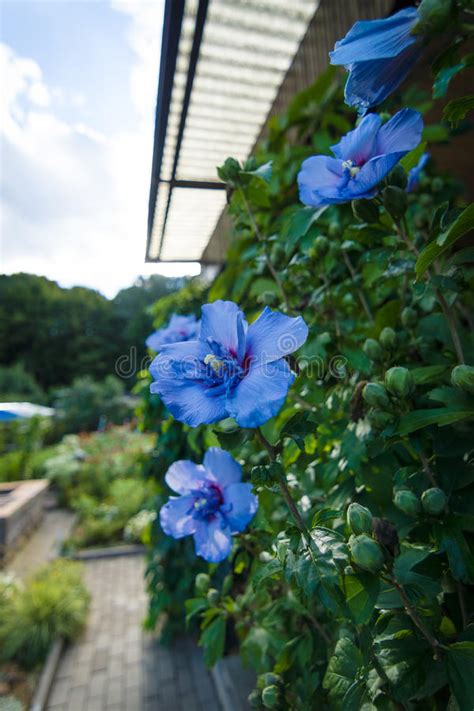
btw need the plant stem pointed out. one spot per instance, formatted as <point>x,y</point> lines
<point>412,613</point>
<point>462,604</point>
<point>300,524</point>
<point>446,309</point>
<point>360,293</point>
<point>261,239</point>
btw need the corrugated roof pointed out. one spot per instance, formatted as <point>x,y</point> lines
<point>222,64</point>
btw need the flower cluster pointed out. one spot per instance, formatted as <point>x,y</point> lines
<point>179,328</point>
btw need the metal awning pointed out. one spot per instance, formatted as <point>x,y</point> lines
<point>222,63</point>
<point>22,410</point>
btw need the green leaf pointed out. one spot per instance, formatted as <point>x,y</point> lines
<point>428,374</point>
<point>413,157</point>
<point>273,567</point>
<point>440,416</point>
<point>233,438</point>
<point>457,109</point>
<point>342,670</point>
<point>460,668</point>
<point>362,590</point>
<point>194,606</point>
<point>213,641</point>
<point>445,75</point>
<point>451,540</point>
<point>299,223</point>
<point>463,224</point>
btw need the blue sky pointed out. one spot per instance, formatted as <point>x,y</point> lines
<point>76,138</point>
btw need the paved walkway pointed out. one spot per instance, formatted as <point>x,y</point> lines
<point>43,544</point>
<point>116,666</point>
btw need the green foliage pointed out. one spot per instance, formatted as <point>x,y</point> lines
<point>57,335</point>
<point>88,404</point>
<point>371,427</point>
<point>54,603</point>
<point>17,384</point>
<point>21,443</point>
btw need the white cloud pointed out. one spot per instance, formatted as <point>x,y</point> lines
<point>74,201</point>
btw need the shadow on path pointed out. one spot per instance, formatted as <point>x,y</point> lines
<point>116,665</point>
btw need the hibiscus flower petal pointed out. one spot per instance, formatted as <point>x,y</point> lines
<point>242,505</point>
<point>376,39</point>
<point>223,322</point>
<point>212,539</point>
<point>222,467</point>
<point>274,335</point>
<point>401,134</point>
<point>320,173</point>
<point>358,145</point>
<point>184,476</point>
<point>260,394</point>
<point>176,517</point>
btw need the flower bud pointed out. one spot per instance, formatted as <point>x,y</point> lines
<point>366,553</point>
<point>395,201</point>
<point>388,338</point>
<point>399,381</point>
<point>255,699</point>
<point>271,696</point>
<point>435,16</point>
<point>365,211</point>
<point>213,596</point>
<point>398,177</point>
<point>407,502</point>
<point>359,519</point>
<point>322,244</point>
<point>372,349</point>
<point>268,298</point>
<point>379,420</point>
<point>202,583</point>
<point>462,377</point>
<point>409,317</point>
<point>375,395</point>
<point>433,501</point>
<point>335,229</point>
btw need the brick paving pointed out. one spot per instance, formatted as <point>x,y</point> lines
<point>116,666</point>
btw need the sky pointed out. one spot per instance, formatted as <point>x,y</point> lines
<point>79,83</point>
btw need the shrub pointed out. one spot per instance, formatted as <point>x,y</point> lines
<point>88,404</point>
<point>54,603</point>
<point>382,620</point>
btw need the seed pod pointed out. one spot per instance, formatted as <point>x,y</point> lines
<point>409,317</point>
<point>407,502</point>
<point>359,519</point>
<point>365,211</point>
<point>388,338</point>
<point>270,678</point>
<point>202,583</point>
<point>372,349</point>
<point>386,534</point>
<point>399,381</point>
<point>366,553</point>
<point>462,377</point>
<point>213,596</point>
<point>433,501</point>
<point>395,201</point>
<point>375,395</point>
<point>437,184</point>
<point>271,696</point>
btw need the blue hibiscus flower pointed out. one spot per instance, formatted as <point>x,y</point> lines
<point>415,173</point>
<point>213,503</point>
<point>379,55</point>
<point>179,328</point>
<point>362,159</point>
<point>232,370</point>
